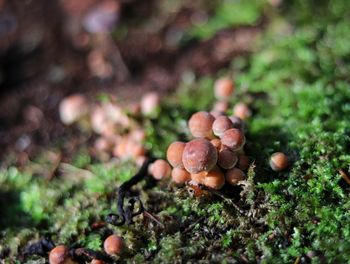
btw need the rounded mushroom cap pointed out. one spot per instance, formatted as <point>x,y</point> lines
<point>199,155</point>
<point>73,108</point>
<point>60,255</point>
<point>174,154</point>
<point>215,179</point>
<point>159,169</point>
<point>221,124</point>
<point>233,138</point>
<point>200,125</point>
<point>227,159</point>
<point>242,111</point>
<point>279,161</point>
<point>102,144</point>
<point>97,261</point>
<point>113,245</point>
<point>243,162</point>
<point>233,176</point>
<point>150,103</point>
<point>223,88</point>
<point>180,176</point>
<point>199,177</point>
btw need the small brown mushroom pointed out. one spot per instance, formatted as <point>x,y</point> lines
<point>174,154</point>
<point>200,125</point>
<point>199,177</point>
<point>243,162</point>
<point>150,103</point>
<point>279,161</point>
<point>227,159</point>
<point>233,138</point>
<point>159,169</point>
<point>60,255</point>
<point>199,155</point>
<point>216,143</point>
<point>113,245</point>
<point>223,88</point>
<point>73,108</point>
<point>242,111</point>
<point>221,124</point>
<point>215,179</point>
<point>233,176</point>
<point>180,176</point>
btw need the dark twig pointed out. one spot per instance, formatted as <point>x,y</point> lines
<point>87,255</point>
<point>125,216</point>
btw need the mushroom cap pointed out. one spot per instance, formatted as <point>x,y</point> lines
<point>233,176</point>
<point>97,261</point>
<point>174,154</point>
<point>73,108</point>
<point>221,124</point>
<point>237,122</point>
<point>215,179</point>
<point>180,176</point>
<point>60,255</point>
<point>220,106</point>
<point>113,245</point>
<point>233,138</point>
<point>242,111</point>
<point>243,162</point>
<point>279,161</point>
<point>216,143</point>
<point>150,103</point>
<point>223,88</point>
<point>159,169</point>
<point>200,125</point>
<point>199,155</point>
<point>227,159</point>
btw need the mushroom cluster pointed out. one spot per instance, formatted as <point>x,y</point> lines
<point>215,156</point>
<point>118,125</point>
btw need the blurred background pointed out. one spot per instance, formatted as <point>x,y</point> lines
<point>49,50</point>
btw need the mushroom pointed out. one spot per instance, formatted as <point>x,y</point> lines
<point>220,106</point>
<point>150,104</point>
<point>174,154</point>
<point>242,111</point>
<point>233,176</point>
<point>60,255</point>
<point>279,161</point>
<point>215,179</point>
<point>223,88</point>
<point>199,177</point>
<point>113,245</point>
<point>243,162</point>
<point>73,108</point>
<point>227,159</point>
<point>159,169</point>
<point>180,176</point>
<point>233,138</point>
<point>216,143</point>
<point>199,155</point>
<point>221,124</point>
<point>237,122</point>
<point>200,125</point>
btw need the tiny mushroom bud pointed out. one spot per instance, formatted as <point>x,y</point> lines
<point>279,161</point>
<point>97,261</point>
<point>159,169</point>
<point>216,114</point>
<point>233,176</point>
<point>113,245</point>
<point>242,111</point>
<point>73,108</point>
<point>227,159</point>
<point>243,162</point>
<point>150,104</point>
<point>174,154</point>
<point>180,176</point>
<point>215,179</point>
<point>223,88</point>
<point>221,124</point>
<point>102,144</point>
<point>200,125</point>
<point>233,138</point>
<point>60,255</point>
<point>199,155</point>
